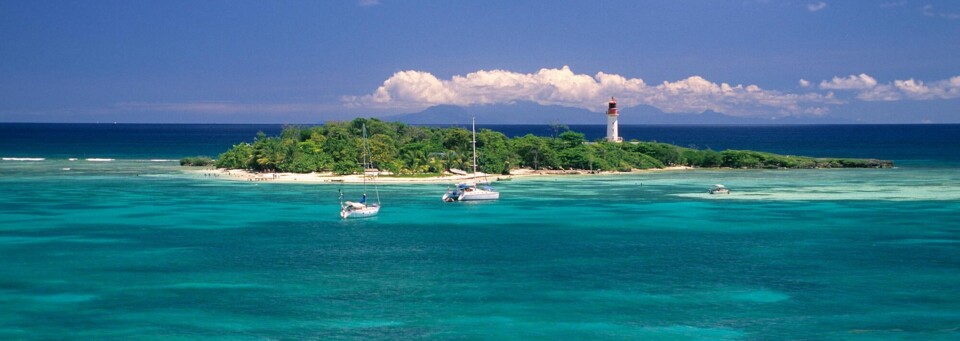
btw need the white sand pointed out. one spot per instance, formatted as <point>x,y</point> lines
<point>242,175</point>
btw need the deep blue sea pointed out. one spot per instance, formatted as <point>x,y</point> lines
<point>122,243</point>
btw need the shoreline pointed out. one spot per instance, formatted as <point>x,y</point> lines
<point>244,175</point>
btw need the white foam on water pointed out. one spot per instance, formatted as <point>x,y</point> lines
<point>839,192</point>
<point>99,160</point>
<point>72,159</point>
<point>163,160</point>
<point>23,159</point>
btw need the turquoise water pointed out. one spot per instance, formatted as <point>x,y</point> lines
<point>139,249</point>
<point>142,250</point>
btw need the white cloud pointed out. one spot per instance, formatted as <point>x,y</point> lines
<point>913,88</point>
<point>944,89</point>
<point>416,90</point>
<point>929,11</point>
<point>883,92</point>
<point>869,90</point>
<point>804,83</point>
<point>816,6</point>
<point>863,81</point>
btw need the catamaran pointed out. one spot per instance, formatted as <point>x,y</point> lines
<point>468,190</point>
<point>362,209</point>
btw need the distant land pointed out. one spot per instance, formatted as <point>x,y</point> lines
<point>532,113</point>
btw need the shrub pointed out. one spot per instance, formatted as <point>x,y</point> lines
<point>202,161</point>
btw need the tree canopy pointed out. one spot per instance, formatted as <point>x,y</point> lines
<point>403,149</point>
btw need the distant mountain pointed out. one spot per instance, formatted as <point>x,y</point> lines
<point>517,113</point>
<point>532,113</point>
<point>440,114</point>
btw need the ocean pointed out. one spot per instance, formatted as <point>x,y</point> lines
<point>121,243</point>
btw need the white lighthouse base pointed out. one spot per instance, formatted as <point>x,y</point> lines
<point>613,132</point>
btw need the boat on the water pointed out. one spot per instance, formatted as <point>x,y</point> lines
<point>719,189</point>
<point>472,190</point>
<point>362,209</point>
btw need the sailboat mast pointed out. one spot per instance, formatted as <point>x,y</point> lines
<point>363,166</point>
<point>366,152</point>
<point>474,146</point>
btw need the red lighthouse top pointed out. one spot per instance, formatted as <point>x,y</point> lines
<point>612,108</point>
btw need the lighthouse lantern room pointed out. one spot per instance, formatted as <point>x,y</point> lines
<point>613,133</point>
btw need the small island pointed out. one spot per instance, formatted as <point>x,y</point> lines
<point>416,152</point>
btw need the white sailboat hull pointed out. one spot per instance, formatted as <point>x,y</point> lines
<point>450,197</point>
<point>479,195</point>
<point>361,209</point>
<point>353,212</point>
<point>469,191</point>
<point>470,194</point>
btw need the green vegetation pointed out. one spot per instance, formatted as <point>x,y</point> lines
<point>196,161</point>
<point>414,151</point>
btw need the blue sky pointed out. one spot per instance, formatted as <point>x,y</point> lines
<point>312,61</point>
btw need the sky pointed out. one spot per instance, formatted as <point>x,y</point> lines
<point>170,61</point>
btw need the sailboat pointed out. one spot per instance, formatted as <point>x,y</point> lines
<point>719,189</point>
<point>468,190</point>
<point>361,209</point>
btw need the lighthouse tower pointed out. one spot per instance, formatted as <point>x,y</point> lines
<point>613,130</point>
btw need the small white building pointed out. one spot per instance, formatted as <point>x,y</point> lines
<point>613,128</point>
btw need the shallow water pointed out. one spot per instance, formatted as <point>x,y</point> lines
<point>138,249</point>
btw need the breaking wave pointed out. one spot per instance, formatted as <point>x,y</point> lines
<point>23,159</point>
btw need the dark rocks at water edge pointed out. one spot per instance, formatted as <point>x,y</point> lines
<point>854,163</point>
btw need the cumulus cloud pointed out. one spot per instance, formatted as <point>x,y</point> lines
<point>816,6</point>
<point>804,83</point>
<point>869,90</point>
<point>944,89</point>
<point>863,81</point>
<point>883,92</point>
<point>416,90</point>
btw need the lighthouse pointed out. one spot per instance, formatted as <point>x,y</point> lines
<point>613,133</point>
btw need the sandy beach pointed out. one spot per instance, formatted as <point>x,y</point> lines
<point>447,177</point>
